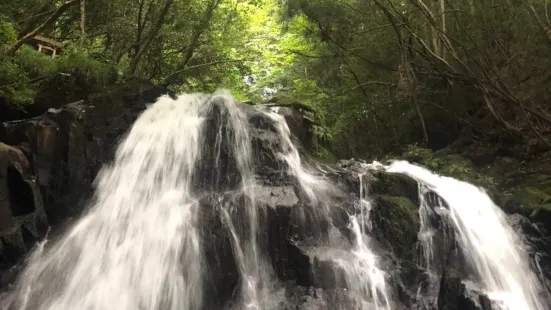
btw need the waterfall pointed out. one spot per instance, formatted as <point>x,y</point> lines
<point>126,252</point>
<point>138,246</point>
<point>359,265</point>
<point>255,271</point>
<point>208,205</point>
<point>488,243</point>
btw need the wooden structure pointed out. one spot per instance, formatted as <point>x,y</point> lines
<point>45,45</point>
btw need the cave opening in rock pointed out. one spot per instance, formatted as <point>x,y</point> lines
<point>20,193</point>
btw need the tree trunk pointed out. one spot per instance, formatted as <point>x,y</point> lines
<point>82,21</point>
<point>443,21</point>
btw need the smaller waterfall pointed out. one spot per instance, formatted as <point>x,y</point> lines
<point>364,274</point>
<point>311,185</point>
<point>434,237</point>
<point>255,271</point>
<point>359,264</point>
<point>488,243</point>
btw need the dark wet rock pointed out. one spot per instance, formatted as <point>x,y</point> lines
<point>66,147</point>
<point>46,172</point>
<point>391,184</point>
<point>219,260</point>
<point>455,294</point>
<point>537,241</point>
<point>409,281</point>
<point>22,217</point>
<point>305,298</point>
<point>396,223</point>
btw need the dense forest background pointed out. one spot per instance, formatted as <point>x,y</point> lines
<point>378,75</point>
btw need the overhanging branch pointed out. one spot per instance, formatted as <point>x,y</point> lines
<point>202,65</point>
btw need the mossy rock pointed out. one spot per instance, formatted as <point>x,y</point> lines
<point>393,184</point>
<point>446,163</point>
<point>396,223</point>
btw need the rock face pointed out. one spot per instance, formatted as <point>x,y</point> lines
<point>66,147</point>
<point>47,165</point>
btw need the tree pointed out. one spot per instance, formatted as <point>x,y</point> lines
<point>49,22</point>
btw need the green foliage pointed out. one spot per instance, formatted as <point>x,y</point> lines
<point>13,80</point>
<point>33,63</point>
<point>377,74</point>
<point>448,165</point>
<point>13,83</point>
<point>8,35</point>
<point>533,198</point>
<point>30,71</point>
<point>86,70</point>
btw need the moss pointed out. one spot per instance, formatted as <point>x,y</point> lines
<point>397,222</point>
<point>392,184</point>
<point>448,164</point>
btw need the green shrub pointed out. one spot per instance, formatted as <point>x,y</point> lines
<point>94,72</point>
<point>14,83</point>
<point>8,35</point>
<point>34,63</point>
<point>68,77</point>
<point>74,78</point>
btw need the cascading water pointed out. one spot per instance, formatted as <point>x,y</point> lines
<point>488,243</point>
<point>138,247</point>
<point>359,265</point>
<point>127,251</point>
<point>255,271</point>
<point>197,213</point>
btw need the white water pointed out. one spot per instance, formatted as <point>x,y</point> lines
<point>256,274</point>
<point>138,247</point>
<point>367,263</point>
<point>127,253</point>
<point>313,187</point>
<point>361,269</point>
<point>489,244</point>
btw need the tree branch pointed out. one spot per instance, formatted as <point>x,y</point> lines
<point>306,55</point>
<point>202,65</point>
<point>152,34</point>
<point>372,83</point>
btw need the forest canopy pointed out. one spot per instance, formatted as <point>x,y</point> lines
<point>378,74</point>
